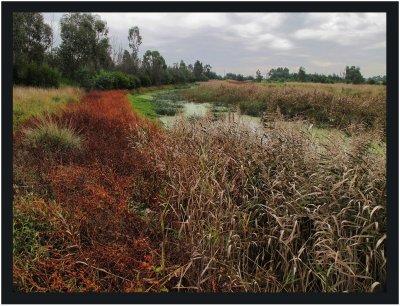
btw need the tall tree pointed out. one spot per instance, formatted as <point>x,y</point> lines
<point>280,73</point>
<point>353,75</point>
<point>259,76</point>
<point>302,74</point>
<point>154,65</point>
<point>31,37</point>
<point>134,41</point>
<point>85,43</point>
<point>198,70</point>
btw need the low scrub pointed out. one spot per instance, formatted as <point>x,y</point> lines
<point>36,75</point>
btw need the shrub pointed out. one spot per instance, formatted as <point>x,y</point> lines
<point>36,75</point>
<point>115,80</point>
<point>50,136</point>
<point>145,80</point>
<point>85,78</point>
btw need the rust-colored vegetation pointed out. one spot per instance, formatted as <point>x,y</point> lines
<point>85,201</point>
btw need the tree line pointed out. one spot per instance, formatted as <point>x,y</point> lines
<point>351,75</point>
<point>85,57</point>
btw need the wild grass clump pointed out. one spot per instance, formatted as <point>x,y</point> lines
<point>276,212</point>
<point>51,136</point>
<point>333,105</point>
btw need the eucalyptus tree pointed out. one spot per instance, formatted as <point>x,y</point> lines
<point>84,43</point>
<point>31,38</point>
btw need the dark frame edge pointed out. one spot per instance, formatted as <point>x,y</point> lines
<point>389,297</point>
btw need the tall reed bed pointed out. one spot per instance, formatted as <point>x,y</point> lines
<point>336,105</point>
<point>271,213</point>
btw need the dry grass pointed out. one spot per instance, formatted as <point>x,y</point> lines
<point>51,136</point>
<point>272,213</point>
<point>33,101</point>
<point>334,105</point>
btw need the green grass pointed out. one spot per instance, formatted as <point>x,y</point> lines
<point>26,238</point>
<point>143,105</point>
<point>160,103</point>
<point>28,228</point>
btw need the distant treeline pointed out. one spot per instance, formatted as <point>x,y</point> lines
<point>351,75</point>
<point>85,58</point>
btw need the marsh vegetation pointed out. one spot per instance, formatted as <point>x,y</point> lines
<point>211,199</point>
<point>130,175</point>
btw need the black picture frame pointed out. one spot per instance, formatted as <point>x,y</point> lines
<point>390,294</point>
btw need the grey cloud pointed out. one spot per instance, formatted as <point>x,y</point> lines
<point>245,42</point>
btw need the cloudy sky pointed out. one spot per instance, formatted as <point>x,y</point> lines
<point>245,42</point>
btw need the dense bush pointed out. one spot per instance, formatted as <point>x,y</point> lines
<point>36,75</point>
<point>115,80</point>
<point>85,78</point>
<point>145,80</point>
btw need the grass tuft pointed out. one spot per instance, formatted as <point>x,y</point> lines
<point>50,136</point>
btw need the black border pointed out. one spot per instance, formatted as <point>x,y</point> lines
<point>390,296</point>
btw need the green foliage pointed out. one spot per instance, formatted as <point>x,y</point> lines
<point>353,75</point>
<point>144,79</point>
<point>301,76</point>
<point>33,74</point>
<point>26,235</point>
<point>199,71</point>
<point>52,137</point>
<point>85,54</point>
<point>280,73</point>
<point>84,77</point>
<point>142,104</point>
<point>154,66</point>
<point>31,37</point>
<point>115,80</point>
<point>84,43</point>
<point>238,77</point>
<point>167,107</point>
<point>135,40</point>
<point>377,80</point>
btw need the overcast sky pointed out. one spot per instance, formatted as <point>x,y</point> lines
<point>245,42</point>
